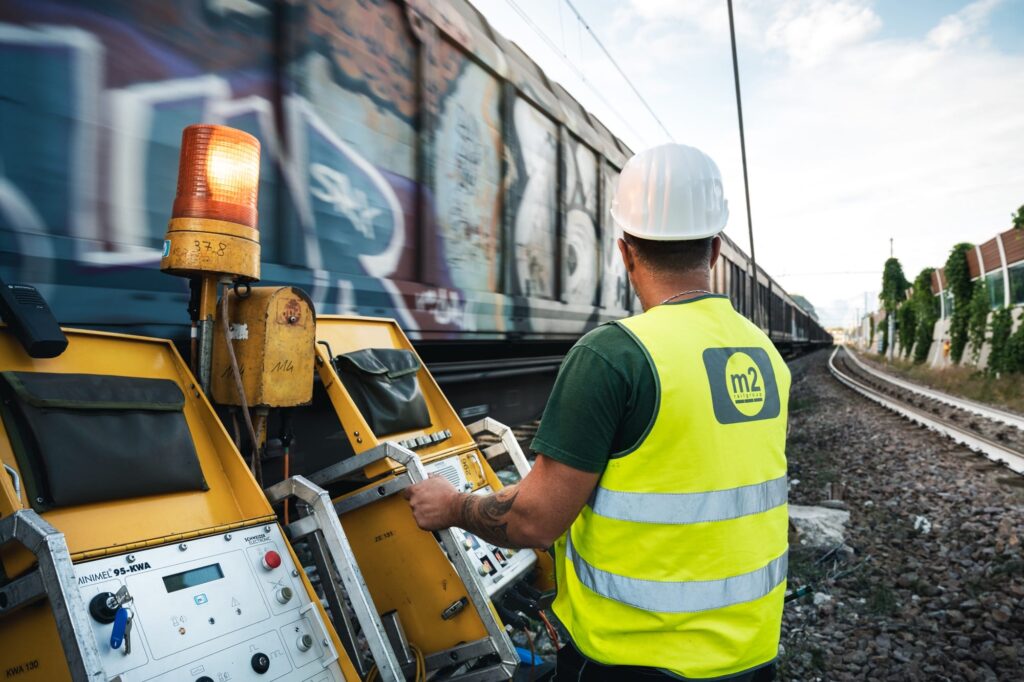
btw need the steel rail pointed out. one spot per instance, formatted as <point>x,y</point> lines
<point>989,448</point>
<point>986,411</point>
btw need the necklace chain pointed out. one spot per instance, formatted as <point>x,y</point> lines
<point>684,293</point>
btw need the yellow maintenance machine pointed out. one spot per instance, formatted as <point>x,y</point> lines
<point>137,545</point>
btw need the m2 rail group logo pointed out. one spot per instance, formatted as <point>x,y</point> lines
<point>743,386</point>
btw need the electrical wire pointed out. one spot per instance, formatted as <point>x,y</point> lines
<point>533,654</point>
<point>254,460</point>
<point>421,666</point>
<point>236,430</point>
<point>552,632</point>
<point>618,68</point>
<point>579,72</point>
<point>285,478</point>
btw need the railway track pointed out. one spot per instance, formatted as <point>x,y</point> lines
<point>996,434</point>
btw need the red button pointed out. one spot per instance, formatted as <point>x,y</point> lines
<point>271,560</point>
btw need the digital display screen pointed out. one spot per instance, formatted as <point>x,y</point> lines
<point>197,576</point>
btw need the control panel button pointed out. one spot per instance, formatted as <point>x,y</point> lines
<point>271,560</point>
<point>284,595</point>
<point>204,678</point>
<point>260,663</point>
<point>304,643</point>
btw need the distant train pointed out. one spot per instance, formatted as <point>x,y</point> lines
<point>416,165</point>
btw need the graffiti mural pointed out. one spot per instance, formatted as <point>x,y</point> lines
<point>535,200</point>
<point>468,178</point>
<point>581,258</point>
<point>383,191</point>
<point>614,282</point>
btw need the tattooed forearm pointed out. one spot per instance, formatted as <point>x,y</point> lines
<point>487,516</point>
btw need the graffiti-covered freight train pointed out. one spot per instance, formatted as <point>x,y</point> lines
<point>416,165</point>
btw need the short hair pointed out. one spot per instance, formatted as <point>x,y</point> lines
<point>672,256</point>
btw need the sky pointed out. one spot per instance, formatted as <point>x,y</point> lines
<point>865,120</point>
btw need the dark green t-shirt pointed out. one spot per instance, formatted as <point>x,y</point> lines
<point>602,403</point>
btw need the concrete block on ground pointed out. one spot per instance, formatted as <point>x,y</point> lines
<point>819,526</point>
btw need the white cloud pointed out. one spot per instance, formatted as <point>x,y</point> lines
<point>851,137</point>
<point>958,27</point>
<point>811,32</point>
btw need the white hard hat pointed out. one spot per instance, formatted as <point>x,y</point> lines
<point>670,192</point>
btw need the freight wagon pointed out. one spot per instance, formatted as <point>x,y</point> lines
<point>416,165</point>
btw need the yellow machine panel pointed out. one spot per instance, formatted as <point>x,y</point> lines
<point>440,591</point>
<point>273,330</point>
<point>345,334</point>
<point>393,551</point>
<point>204,573</point>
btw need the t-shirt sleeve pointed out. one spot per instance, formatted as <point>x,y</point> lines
<point>583,412</point>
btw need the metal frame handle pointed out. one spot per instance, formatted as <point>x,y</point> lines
<point>322,510</point>
<point>508,443</point>
<point>415,473</point>
<point>53,579</point>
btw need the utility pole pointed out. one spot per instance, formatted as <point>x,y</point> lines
<point>743,156</point>
<point>889,314</point>
<point>867,319</point>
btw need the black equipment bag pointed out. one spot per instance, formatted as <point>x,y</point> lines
<point>383,384</point>
<point>82,438</point>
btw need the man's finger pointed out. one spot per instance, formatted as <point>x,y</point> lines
<point>407,492</point>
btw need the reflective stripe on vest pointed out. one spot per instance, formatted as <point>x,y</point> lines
<point>679,597</point>
<point>680,508</point>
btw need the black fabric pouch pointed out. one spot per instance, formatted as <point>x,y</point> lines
<point>82,438</point>
<point>383,384</point>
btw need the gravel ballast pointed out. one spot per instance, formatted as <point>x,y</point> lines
<point>929,583</point>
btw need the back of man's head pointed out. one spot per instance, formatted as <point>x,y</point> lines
<point>672,257</point>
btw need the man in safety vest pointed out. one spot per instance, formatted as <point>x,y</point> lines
<point>660,476</point>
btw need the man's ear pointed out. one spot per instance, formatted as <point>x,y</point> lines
<point>716,250</point>
<point>628,258</point>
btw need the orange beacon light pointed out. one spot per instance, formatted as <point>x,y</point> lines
<point>213,227</point>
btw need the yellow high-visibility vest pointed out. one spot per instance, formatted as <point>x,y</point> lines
<point>679,559</point>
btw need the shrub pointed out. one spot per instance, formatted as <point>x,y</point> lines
<point>923,342</point>
<point>926,313</point>
<point>906,323</point>
<point>978,320</point>
<point>1002,325</point>
<point>1015,351</point>
<point>958,275</point>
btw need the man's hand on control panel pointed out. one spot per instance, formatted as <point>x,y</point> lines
<point>532,513</point>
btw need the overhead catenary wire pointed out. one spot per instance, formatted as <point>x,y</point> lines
<point>578,71</point>
<point>618,68</point>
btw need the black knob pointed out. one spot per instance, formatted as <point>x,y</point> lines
<point>99,608</point>
<point>204,678</point>
<point>260,663</point>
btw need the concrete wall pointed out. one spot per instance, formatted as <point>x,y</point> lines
<point>936,358</point>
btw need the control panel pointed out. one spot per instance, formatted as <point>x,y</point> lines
<point>228,607</point>
<point>498,567</point>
